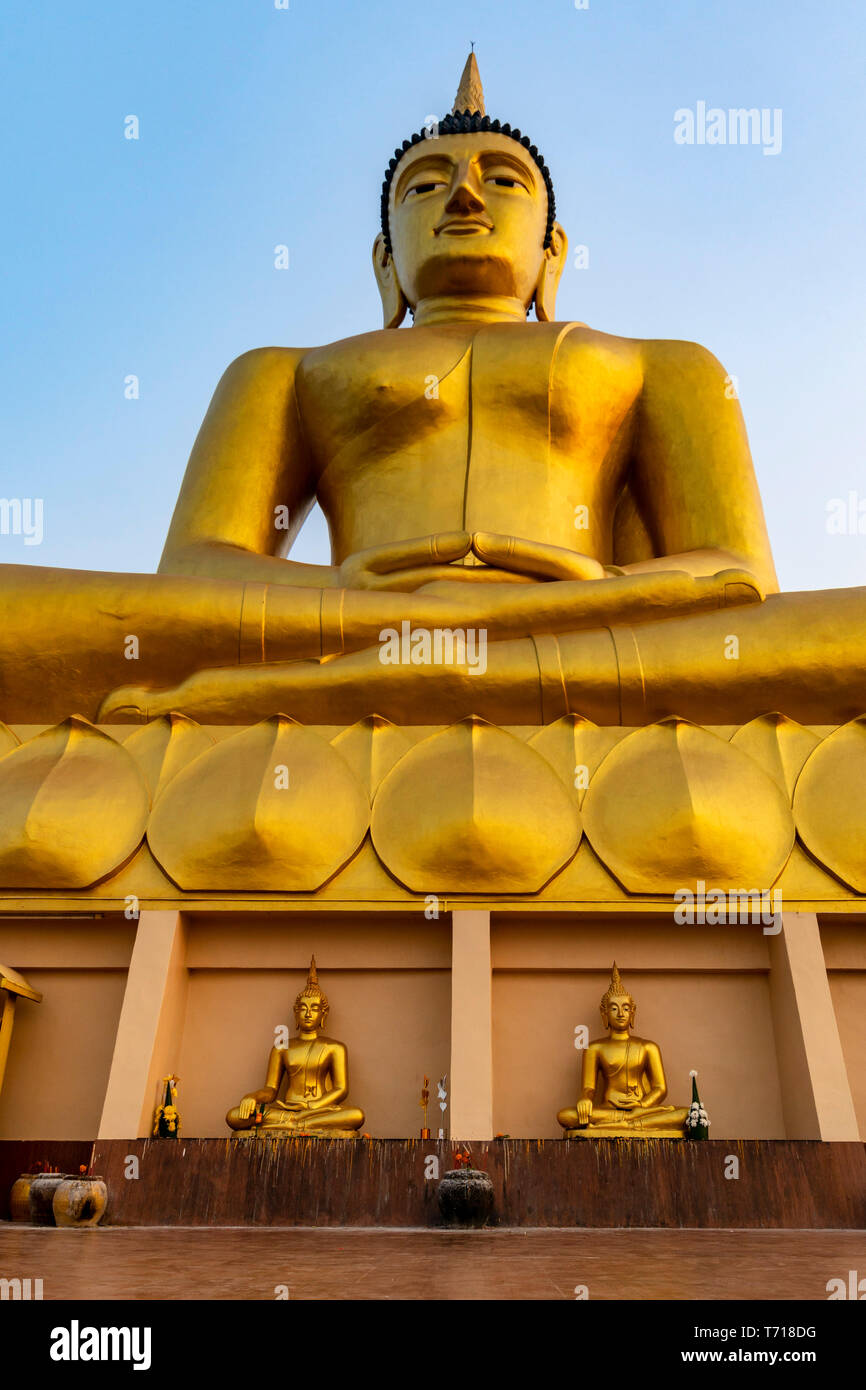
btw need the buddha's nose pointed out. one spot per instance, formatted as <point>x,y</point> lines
<point>464,198</point>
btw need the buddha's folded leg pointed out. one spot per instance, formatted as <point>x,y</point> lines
<point>68,638</point>
<point>802,653</point>
<point>665,1117</point>
<point>234,1121</point>
<point>332,1119</point>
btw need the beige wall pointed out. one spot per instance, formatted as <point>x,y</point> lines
<point>701,994</point>
<point>61,1049</point>
<point>61,1054</point>
<point>844,943</point>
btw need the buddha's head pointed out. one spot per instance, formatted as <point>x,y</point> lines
<point>468,209</point>
<point>618,1009</point>
<point>311,1005</point>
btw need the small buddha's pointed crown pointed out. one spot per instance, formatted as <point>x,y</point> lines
<point>615,990</point>
<point>312,989</point>
<point>470,93</point>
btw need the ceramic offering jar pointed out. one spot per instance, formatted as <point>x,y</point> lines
<point>80,1201</point>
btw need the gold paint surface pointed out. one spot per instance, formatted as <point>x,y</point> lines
<point>672,804</point>
<point>273,808</point>
<point>830,803</point>
<point>73,808</point>
<point>474,809</point>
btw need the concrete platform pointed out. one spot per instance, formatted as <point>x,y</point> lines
<point>609,1264</point>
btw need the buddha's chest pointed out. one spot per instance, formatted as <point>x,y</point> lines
<point>623,1063</point>
<point>534,384</point>
<point>474,428</point>
<point>303,1064</point>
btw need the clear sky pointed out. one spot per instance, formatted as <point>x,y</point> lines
<point>262,126</point>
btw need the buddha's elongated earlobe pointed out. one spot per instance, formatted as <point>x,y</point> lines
<point>551,270</point>
<point>394,304</point>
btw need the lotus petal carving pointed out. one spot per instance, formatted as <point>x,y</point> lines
<point>271,809</point>
<point>830,803</point>
<point>164,746</point>
<point>8,740</point>
<point>474,809</point>
<point>73,808</point>
<point>672,804</point>
<point>779,744</point>
<point>371,748</point>
<point>574,747</point>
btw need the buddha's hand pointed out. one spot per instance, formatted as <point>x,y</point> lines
<point>405,565</point>
<point>584,1112</point>
<point>246,1107</point>
<point>535,559</point>
<point>622,1100</point>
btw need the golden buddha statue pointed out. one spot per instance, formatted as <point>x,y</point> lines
<point>312,1072</point>
<point>623,1083</point>
<point>587,501</point>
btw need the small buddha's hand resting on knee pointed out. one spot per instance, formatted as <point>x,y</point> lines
<point>584,1112</point>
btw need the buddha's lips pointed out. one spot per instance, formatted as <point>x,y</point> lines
<point>464,226</point>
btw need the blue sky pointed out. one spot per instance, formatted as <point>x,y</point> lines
<point>261,126</point>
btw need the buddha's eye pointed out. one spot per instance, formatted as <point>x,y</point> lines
<point>422,188</point>
<point>503,181</point>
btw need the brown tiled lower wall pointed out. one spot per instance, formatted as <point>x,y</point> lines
<point>782,1184</point>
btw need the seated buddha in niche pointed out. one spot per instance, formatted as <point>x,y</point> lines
<point>307,1082</point>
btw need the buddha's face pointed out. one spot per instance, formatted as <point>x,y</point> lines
<point>309,1014</point>
<point>620,1013</point>
<point>468,215</point>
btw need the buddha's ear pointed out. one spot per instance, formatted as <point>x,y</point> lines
<point>394,304</point>
<point>552,267</point>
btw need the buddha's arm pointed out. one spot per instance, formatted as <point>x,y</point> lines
<point>589,1078</point>
<point>655,1075</point>
<point>338,1074</point>
<point>692,476</point>
<point>248,485</point>
<point>268,1091</point>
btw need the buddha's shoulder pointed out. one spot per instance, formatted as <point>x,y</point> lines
<point>647,353</point>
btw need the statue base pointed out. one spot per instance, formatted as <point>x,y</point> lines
<point>603,1132</point>
<point>261,1133</point>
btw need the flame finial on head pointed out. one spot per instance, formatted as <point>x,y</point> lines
<point>470,93</point>
<point>615,990</point>
<point>313,990</point>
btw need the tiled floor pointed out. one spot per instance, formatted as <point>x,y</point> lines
<point>172,1263</point>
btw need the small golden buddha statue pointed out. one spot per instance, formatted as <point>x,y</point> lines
<point>623,1082</point>
<point>313,1074</point>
